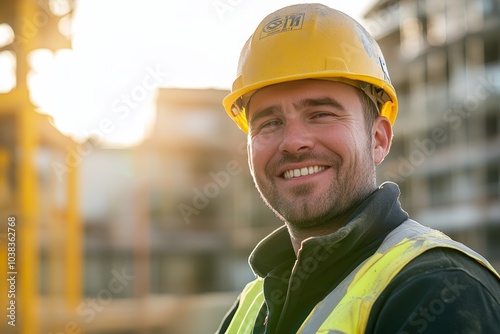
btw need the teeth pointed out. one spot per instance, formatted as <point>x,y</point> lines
<point>303,171</point>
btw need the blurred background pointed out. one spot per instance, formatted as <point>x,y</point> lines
<point>126,187</point>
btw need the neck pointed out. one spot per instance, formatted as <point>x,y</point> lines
<point>298,235</point>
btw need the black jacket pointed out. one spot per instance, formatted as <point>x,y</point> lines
<point>441,291</point>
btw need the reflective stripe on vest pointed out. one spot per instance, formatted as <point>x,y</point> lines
<point>251,301</point>
<point>347,308</point>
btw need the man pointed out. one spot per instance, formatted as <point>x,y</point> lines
<point>314,96</point>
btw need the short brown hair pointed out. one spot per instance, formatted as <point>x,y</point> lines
<point>370,110</point>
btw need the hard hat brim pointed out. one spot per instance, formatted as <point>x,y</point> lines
<point>237,110</point>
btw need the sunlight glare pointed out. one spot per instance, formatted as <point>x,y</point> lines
<point>101,80</point>
<point>56,88</point>
<point>7,71</point>
<point>64,26</point>
<point>60,7</point>
<point>6,35</point>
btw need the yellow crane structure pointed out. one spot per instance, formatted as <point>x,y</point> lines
<point>40,233</point>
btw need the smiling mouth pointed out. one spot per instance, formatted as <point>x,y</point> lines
<point>298,172</point>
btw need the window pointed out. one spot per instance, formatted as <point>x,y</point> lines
<point>398,147</point>
<point>440,189</point>
<point>491,6</point>
<point>411,36</point>
<point>492,237</point>
<point>493,180</point>
<point>491,51</point>
<point>491,125</point>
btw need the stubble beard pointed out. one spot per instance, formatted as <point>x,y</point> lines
<point>349,187</point>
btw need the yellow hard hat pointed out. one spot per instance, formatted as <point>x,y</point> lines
<point>310,41</point>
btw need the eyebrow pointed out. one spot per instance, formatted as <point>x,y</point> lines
<point>304,103</point>
<point>322,101</point>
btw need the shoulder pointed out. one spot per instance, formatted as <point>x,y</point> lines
<point>442,290</point>
<point>224,325</point>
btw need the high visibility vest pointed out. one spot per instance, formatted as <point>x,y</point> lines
<point>347,308</point>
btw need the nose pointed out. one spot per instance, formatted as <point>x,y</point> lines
<point>297,138</point>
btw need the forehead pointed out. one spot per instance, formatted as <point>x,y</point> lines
<point>301,89</point>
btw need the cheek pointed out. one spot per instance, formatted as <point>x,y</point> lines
<point>338,139</point>
<point>259,153</point>
<point>264,142</point>
<point>346,142</point>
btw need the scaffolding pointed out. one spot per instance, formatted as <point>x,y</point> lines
<point>34,223</point>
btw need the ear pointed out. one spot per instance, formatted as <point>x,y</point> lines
<point>381,139</point>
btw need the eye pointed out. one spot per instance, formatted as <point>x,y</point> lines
<point>272,123</point>
<point>266,126</point>
<point>269,126</point>
<point>323,114</point>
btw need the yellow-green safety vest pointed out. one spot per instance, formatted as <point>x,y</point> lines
<point>347,308</point>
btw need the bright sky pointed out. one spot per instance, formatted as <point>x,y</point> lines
<point>123,50</point>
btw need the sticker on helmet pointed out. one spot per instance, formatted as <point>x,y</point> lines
<point>282,23</point>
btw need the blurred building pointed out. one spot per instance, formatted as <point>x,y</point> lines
<point>188,184</point>
<point>444,60</point>
<point>179,212</point>
<point>202,202</point>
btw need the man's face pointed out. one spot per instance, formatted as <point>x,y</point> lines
<point>310,154</point>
